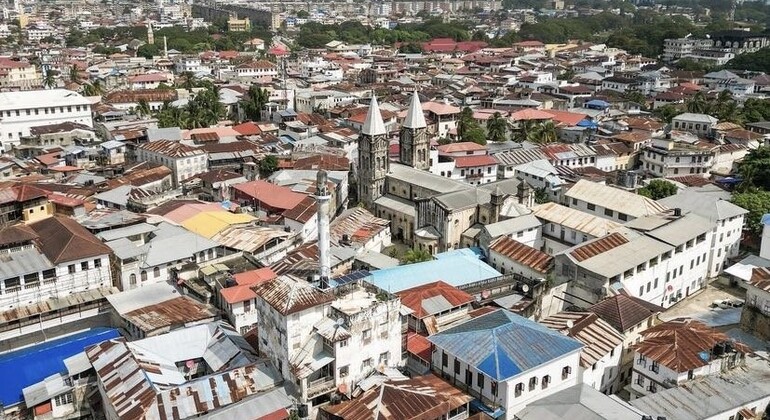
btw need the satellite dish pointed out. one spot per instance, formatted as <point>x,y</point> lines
<point>339,322</point>
<point>525,288</point>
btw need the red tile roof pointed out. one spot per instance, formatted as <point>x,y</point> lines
<point>272,195</point>
<point>237,294</point>
<point>475,161</point>
<point>413,298</point>
<point>523,254</point>
<point>257,276</point>
<point>465,146</point>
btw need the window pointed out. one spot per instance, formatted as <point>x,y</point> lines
<point>344,371</point>
<point>655,285</point>
<point>468,377</point>
<point>344,343</point>
<point>641,290</point>
<point>480,380</point>
<point>84,265</point>
<point>384,358</point>
<point>156,272</point>
<point>518,389</point>
<point>444,360</point>
<point>63,399</point>
<point>546,381</point>
<point>367,336</point>
<point>608,212</point>
<point>247,305</point>
<point>457,367</point>
<point>574,201</point>
<point>71,268</point>
<point>565,372</point>
<point>132,279</point>
<point>640,380</point>
<point>648,286</point>
<point>622,216</point>
<point>97,263</point>
<point>532,383</point>
<point>653,387</point>
<point>655,367</point>
<point>493,387</point>
<point>144,275</point>
<point>641,360</point>
<point>366,364</point>
<point>591,207</point>
<point>12,282</point>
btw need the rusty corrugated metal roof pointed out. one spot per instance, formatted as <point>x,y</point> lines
<point>599,337</point>
<point>288,294</point>
<point>523,254</point>
<point>598,246</point>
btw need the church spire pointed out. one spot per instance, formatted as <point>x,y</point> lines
<point>374,126</point>
<point>414,116</point>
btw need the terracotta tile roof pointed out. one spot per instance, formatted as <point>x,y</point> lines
<point>413,298</point>
<point>63,240</point>
<point>598,246</point>
<point>237,294</point>
<point>270,194</point>
<point>691,180</point>
<point>475,161</point>
<point>465,146</point>
<point>256,276</point>
<point>683,344</point>
<point>531,114</point>
<point>323,161</point>
<point>623,311</point>
<point>523,254</point>
<point>247,129</point>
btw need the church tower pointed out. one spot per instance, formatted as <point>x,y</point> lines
<point>373,163</point>
<point>413,139</point>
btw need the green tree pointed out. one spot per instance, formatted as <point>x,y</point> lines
<point>268,165</point>
<point>756,61</point>
<point>497,128</point>
<point>475,134</point>
<point>698,104</point>
<point>657,189</point>
<point>416,255</point>
<point>757,203</point>
<point>303,14</point>
<point>755,170</point>
<point>544,133</point>
<point>465,122</point>
<point>74,74</point>
<point>186,80</point>
<point>148,51</point>
<point>541,196</point>
<point>666,113</point>
<point>253,102</point>
<point>143,108</point>
<point>92,89</point>
<point>522,131</point>
<point>410,48</point>
<point>637,97</point>
<point>49,81</point>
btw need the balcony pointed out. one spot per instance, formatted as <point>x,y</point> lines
<point>320,386</point>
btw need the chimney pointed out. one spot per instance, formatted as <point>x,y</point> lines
<point>677,212</point>
<point>322,199</point>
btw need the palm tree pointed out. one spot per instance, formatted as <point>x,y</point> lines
<point>465,122</point>
<point>143,108</point>
<point>523,130</point>
<point>497,127</point>
<point>697,104</point>
<point>544,133</point>
<point>187,80</point>
<point>253,102</point>
<point>74,74</point>
<point>171,116</point>
<point>49,81</point>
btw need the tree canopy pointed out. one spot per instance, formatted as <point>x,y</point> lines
<point>755,169</point>
<point>657,189</point>
<point>757,203</point>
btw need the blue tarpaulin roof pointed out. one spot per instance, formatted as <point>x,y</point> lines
<point>456,268</point>
<point>502,344</point>
<point>31,365</point>
<point>597,103</point>
<point>587,123</point>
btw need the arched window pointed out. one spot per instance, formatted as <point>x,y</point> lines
<point>156,272</point>
<point>211,253</point>
<point>144,276</point>
<point>132,279</point>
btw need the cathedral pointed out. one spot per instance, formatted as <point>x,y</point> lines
<point>426,210</point>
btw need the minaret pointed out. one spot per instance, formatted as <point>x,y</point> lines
<point>150,34</point>
<point>322,199</point>
<point>413,138</point>
<point>165,47</point>
<point>373,163</point>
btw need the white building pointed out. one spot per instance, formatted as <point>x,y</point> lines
<point>698,124</point>
<point>240,302</point>
<point>184,161</point>
<point>600,359</point>
<point>610,202</point>
<point>464,161</point>
<point>21,111</point>
<point>681,350</point>
<point>145,253</point>
<point>510,256</point>
<point>324,340</point>
<point>669,158</point>
<point>726,219</point>
<point>50,259</point>
<point>662,261</point>
<point>564,227</point>
<point>494,358</point>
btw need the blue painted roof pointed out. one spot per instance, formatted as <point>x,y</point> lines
<point>31,365</point>
<point>502,344</point>
<point>456,269</point>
